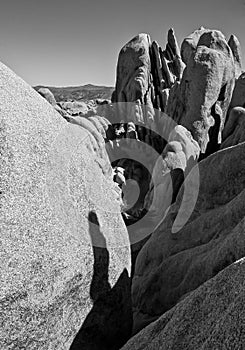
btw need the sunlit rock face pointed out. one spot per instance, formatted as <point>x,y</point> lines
<point>145,73</point>
<point>69,186</point>
<point>193,85</point>
<point>201,101</point>
<point>213,314</point>
<point>200,88</point>
<point>65,256</point>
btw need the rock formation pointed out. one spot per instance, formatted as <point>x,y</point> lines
<point>190,43</point>
<point>238,96</point>
<point>47,94</point>
<point>189,245</point>
<point>236,50</point>
<point>211,317</point>
<point>166,157</point>
<point>194,86</point>
<point>196,96</point>
<point>201,100</point>
<point>176,160</point>
<point>181,256</point>
<point>83,93</point>
<point>71,107</point>
<point>234,131</point>
<point>65,258</point>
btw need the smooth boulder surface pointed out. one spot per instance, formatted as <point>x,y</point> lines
<point>200,102</point>
<point>238,96</point>
<point>211,317</point>
<point>65,257</point>
<point>187,250</point>
<point>189,44</point>
<point>134,82</point>
<point>237,53</point>
<point>47,94</point>
<point>234,131</point>
<point>77,108</point>
<point>178,157</point>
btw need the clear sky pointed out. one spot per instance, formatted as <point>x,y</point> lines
<point>75,42</point>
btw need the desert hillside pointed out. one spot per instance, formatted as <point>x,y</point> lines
<point>78,93</point>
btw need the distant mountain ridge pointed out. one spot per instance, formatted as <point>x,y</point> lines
<point>83,92</point>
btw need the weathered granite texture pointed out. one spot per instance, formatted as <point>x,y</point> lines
<point>211,317</point>
<point>65,257</point>
<point>184,252</point>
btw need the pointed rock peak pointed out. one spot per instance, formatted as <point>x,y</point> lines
<point>171,31</point>
<point>237,53</point>
<point>233,38</point>
<point>144,36</point>
<point>133,70</point>
<point>172,41</point>
<point>155,44</point>
<point>214,39</point>
<point>202,37</point>
<point>140,38</point>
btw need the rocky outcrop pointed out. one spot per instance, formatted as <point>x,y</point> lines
<point>190,247</point>
<point>238,96</point>
<point>172,52</point>
<point>134,83</point>
<point>65,258</point>
<point>178,157</point>
<point>78,108</point>
<point>145,73</point>
<point>237,54</point>
<point>193,85</point>
<point>195,94</point>
<point>79,93</point>
<point>69,185</point>
<point>75,107</point>
<point>47,94</point>
<point>234,131</point>
<point>209,318</point>
<point>190,43</point>
<point>167,67</point>
<point>201,100</point>
<point>71,107</point>
<point>194,211</point>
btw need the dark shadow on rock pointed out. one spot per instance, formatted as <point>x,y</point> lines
<point>109,323</point>
<point>213,145</point>
<point>178,177</point>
